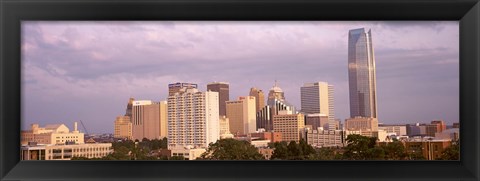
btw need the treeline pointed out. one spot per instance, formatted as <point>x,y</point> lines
<point>358,148</point>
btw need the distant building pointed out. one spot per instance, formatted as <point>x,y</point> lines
<point>123,128</point>
<point>259,98</point>
<point>189,153</point>
<point>241,113</point>
<point>51,134</point>
<point>64,151</point>
<point>399,130</point>
<point>448,134</point>
<point>361,123</point>
<point>290,125</point>
<point>128,111</point>
<point>149,120</point>
<point>275,93</point>
<point>362,74</point>
<point>225,128</point>
<point>416,129</point>
<point>193,121</point>
<point>317,98</point>
<point>272,136</point>
<point>223,94</point>
<point>325,138</point>
<point>456,125</point>
<point>319,120</point>
<point>436,126</point>
<point>265,115</point>
<point>176,87</point>
<point>381,135</point>
<point>429,149</point>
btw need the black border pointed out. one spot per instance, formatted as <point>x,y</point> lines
<point>14,11</point>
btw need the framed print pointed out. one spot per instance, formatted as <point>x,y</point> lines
<point>247,90</point>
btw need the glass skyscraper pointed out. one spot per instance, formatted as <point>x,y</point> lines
<point>361,74</point>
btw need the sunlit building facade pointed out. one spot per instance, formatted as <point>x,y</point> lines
<point>361,74</point>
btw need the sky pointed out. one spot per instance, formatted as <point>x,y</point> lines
<point>74,70</point>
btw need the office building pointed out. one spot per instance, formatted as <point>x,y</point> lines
<point>241,114</point>
<point>361,74</point>
<point>51,134</point>
<point>64,151</point>
<point>361,123</point>
<point>193,120</point>
<point>223,94</point>
<point>319,121</point>
<point>225,128</point>
<point>128,111</point>
<point>325,138</point>
<point>436,126</point>
<point>317,98</point>
<point>272,136</point>
<point>149,120</point>
<point>290,126</point>
<point>275,93</point>
<point>176,87</point>
<point>259,97</point>
<point>399,130</point>
<point>123,128</point>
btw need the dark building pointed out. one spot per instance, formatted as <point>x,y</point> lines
<point>223,95</point>
<point>176,87</point>
<point>128,111</point>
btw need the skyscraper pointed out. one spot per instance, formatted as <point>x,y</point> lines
<point>317,98</point>
<point>128,111</point>
<point>259,97</point>
<point>149,119</point>
<point>361,74</point>
<point>193,120</point>
<point>223,94</point>
<point>241,114</point>
<point>275,93</point>
<point>176,87</point>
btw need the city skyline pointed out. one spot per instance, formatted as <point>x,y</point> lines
<point>60,60</point>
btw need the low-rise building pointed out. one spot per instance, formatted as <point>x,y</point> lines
<point>266,152</point>
<point>272,136</point>
<point>51,134</point>
<point>188,153</point>
<point>64,151</point>
<point>325,138</point>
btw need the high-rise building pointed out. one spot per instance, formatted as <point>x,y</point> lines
<point>259,97</point>
<point>128,111</point>
<point>149,120</point>
<point>275,93</point>
<point>223,94</point>
<point>225,128</point>
<point>317,121</point>
<point>176,87</point>
<point>241,114</point>
<point>317,98</point>
<point>123,127</point>
<point>361,74</point>
<point>193,120</point>
<point>290,125</point>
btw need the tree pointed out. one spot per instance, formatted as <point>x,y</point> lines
<point>230,149</point>
<point>395,151</point>
<point>280,151</point>
<point>292,151</point>
<point>324,154</point>
<point>362,148</point>
<point>452,152</point>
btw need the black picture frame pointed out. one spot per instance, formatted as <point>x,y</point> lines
<point>12,12</point>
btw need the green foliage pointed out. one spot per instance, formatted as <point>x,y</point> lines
<point>395,151</point>
<point>230,149</point>
<point>293,151</point>
<point>361,148</point>
<point>452,152</point>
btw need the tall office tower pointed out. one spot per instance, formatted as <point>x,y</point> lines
<point>123,128</point>
<point>223,94</point>
<point>361,74</point>
<point>290,125</point>
<point>128,111</point>
<point>193,120</point>
<point>259,97</point>
<point>149,119</point>
<point>317,98</point>
<point>176,87</point>
<point>242,115</point>
<point>275,93</point>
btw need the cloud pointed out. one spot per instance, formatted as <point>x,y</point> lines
<point>93,64</point>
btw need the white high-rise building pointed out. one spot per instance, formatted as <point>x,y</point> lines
<point>193,119</point>
<point>317,98</point>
